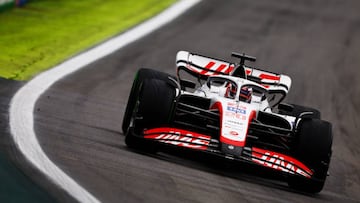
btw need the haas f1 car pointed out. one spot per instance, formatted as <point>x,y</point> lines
<point>230,110</point>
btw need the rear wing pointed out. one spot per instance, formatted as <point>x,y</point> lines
<point>202,67</point>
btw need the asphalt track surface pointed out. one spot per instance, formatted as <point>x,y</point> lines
<point>78,120</point>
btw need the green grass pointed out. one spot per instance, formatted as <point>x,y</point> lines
<point>46,32</point>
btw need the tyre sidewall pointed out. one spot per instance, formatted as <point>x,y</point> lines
<point>313,148</point>
<point>141,75</point>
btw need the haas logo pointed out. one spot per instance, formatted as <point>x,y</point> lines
<point>234,133</point>
<point>178,137</point>
<point>280,162</point>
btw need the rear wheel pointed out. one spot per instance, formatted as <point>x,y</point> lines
<point>153,108</point>
<point>313,148</point>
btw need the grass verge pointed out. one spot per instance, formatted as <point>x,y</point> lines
<point>46,32</point>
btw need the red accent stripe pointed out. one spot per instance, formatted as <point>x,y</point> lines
<point>231,68</point>
<point>269,77</point>
<point>207,67</point>
<point>221,68</point>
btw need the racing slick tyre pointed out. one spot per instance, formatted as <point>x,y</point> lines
<point>154,108</point>
<point>141,75</point>
<point>296,110</point>
<point>313,148</point>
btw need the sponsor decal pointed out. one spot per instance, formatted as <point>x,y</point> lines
<point>234,133</point>
<point>178,137</point>
<point>236,110</point>
<point>234,122</point>
<point>234,125</point>
<point>280,162</point>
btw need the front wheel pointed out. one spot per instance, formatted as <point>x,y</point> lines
<point>153,108</point>
<point>313,148</point>
<point>141,75</point>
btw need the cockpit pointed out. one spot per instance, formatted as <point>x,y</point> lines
<point>238,89</point>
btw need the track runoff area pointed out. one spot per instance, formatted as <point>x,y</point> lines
<point>23,103</point>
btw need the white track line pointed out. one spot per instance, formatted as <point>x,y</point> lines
<point>23,103</point>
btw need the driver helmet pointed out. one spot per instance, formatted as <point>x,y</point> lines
<point>230,91</point>
<point>245,94</point>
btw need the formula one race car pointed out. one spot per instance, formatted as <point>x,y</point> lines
<point>230,110</point>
